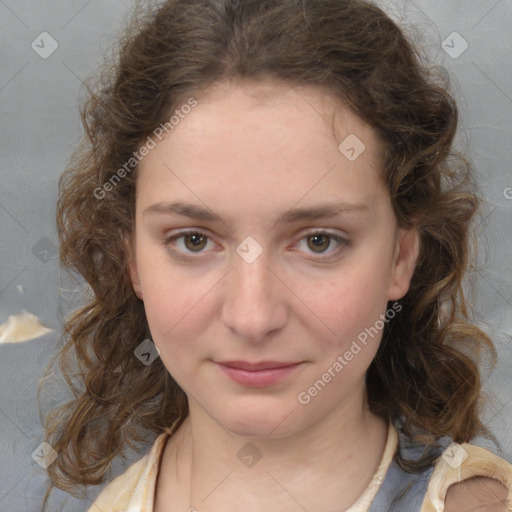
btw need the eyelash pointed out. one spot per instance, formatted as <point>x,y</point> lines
<point>184,256</point>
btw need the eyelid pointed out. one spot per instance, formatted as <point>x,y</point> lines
<point>341,240</point>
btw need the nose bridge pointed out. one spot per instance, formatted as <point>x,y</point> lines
<point>253,304</point>
<point>253,276</point>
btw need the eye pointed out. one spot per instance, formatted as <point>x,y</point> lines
<point>194,241</point>
<point>319,241</point>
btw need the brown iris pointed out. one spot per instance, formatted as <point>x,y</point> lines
<point>198,241</point>
<point>318,246</point>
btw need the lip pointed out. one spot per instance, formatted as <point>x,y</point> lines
<point>261,365</point>
<point>260,374</point>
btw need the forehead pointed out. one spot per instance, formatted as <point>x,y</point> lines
<point>271,106</point>
<point>265,139</point>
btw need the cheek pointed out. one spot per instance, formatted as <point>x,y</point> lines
<point>173,305</point>
<point>351,306</point>
<point>173,299</point>
<point>352,301</point>
<point>176,318</point>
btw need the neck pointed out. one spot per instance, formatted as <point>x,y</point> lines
<point>326,466</point>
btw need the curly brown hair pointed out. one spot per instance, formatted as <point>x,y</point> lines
<point>426,372</point>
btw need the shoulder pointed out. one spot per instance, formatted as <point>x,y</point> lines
<point>134,485</point>
<point>467,477</point>
<point>477,493</point>
<point>116,496</point>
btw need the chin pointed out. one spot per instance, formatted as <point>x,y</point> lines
<point>265,423</point>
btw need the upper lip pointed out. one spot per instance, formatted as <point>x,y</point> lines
<point>261,365</point>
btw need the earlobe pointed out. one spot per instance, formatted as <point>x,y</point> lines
<point>406,256</point>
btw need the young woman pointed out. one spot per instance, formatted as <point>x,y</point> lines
<point>275,229</point>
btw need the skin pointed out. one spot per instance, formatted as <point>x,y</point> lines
<point>250,153</point>
<point>477,494</point>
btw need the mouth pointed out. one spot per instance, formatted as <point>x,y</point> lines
<point>257,374</point>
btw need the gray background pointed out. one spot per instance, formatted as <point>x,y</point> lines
<point>40,127</point>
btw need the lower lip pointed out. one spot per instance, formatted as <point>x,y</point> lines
<point>258,378</point>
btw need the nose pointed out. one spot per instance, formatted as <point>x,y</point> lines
<point>255,301</point>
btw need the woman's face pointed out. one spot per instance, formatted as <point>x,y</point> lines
<point>262,241</point>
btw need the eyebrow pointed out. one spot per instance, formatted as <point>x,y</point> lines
<point>321,211</point>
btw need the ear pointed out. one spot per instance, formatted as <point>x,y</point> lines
<point>132,267</point>
<point>407,250</point>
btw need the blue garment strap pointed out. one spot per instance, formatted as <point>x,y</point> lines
<point>401,491</point>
